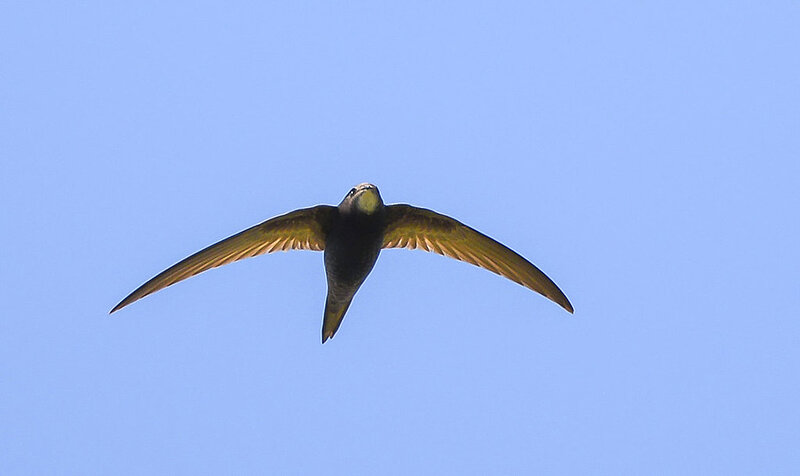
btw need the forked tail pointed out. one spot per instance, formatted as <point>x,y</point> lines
<point>334,313</point>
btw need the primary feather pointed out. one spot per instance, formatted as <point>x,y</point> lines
<point>303,229</point>
<point>419,228</point>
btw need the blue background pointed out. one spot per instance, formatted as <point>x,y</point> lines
<point>643,154</point>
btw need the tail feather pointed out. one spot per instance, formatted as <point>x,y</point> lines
<point>334,313</point>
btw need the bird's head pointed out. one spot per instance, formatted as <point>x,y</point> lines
<point>363,198</point>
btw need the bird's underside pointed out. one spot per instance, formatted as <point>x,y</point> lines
<point>359,227</point>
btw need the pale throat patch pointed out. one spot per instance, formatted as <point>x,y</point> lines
<point>368,202</point>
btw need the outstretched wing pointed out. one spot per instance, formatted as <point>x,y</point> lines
<point>418,228</point>
<point>303,229</point>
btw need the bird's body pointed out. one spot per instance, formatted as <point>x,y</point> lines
<point>352,236</point>
<point>351,250</point>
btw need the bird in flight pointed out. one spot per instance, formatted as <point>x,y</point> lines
<point>351,236</point>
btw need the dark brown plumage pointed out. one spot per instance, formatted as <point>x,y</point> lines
<point>351,236</point>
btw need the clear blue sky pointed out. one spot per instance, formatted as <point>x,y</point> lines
<point>645,156</point>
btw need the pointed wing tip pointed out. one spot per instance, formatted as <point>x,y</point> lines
<point>122,304</point>
<point>567,306</point>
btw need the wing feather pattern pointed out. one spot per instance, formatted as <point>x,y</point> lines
<point>419,228</point>
<point>304,229</point>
